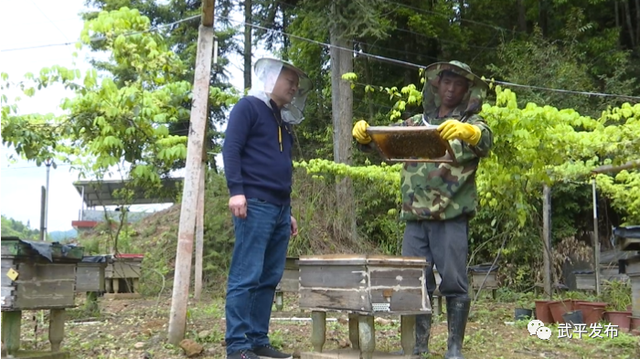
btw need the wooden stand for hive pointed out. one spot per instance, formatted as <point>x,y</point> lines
<point>362,286</point>
<point>125,269</point>
<point>36,284</point>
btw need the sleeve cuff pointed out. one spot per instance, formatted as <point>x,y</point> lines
<point>236,190</point>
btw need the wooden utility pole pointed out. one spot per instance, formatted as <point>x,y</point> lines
<point>546,238</point>
<point>200,229</point>
<point>247,43</point>
<point>43,211</point>
<point>342,113</point>
<point>192,178</point>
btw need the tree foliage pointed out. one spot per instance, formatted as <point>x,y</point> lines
<point>133,109</point>
<point>11,227</point>
<point>111,122</point>
<point>533,145</point>
<point>170,21</point>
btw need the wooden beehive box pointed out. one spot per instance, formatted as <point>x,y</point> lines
<point>124,266</point>
<point>629,237</point>
<point>478,274</point>
<point>364,284</point>
<point>411,144</point>
<point>31,281</point>
<point>611,273</point>
<point>90,275</point>
<point>585,280</point>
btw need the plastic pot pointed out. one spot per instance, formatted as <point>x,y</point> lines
<point>523,314</point>
<point>592,312</point>
<point>621,319</point>
<point>559,308</point>
<point>635,323</point>
<point>574,317</point>
<point>543,313</point>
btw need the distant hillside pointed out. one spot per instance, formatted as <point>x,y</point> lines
<point>58,236</point>
<point>13,228</point>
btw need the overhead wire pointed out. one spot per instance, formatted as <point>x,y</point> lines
<point>48,19</point>
<point>417,66</point>
<point>101,38</point>
<point>5,168</point>
<point>355,52</point>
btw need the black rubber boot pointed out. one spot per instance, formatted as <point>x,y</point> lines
<point>457,314</point>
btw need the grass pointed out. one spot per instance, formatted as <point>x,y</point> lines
<point>137,329</point>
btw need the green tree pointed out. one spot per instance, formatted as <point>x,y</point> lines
<point>13,228</point>
<point>181,37</point>
<point>112,124</point>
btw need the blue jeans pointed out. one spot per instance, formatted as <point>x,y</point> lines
<point>257,265</point>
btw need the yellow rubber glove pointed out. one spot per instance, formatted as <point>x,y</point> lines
<point>454,129</point>
<point>359,132</point>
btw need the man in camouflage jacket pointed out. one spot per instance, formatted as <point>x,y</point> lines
<point>438,199</point>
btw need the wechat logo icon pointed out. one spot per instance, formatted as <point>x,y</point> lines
<point>536,327</point>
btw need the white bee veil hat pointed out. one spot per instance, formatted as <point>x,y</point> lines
<point>265,75</point>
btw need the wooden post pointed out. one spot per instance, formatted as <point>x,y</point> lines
<point>247,44</point>
<point>408,334</point>
<point>546,238</point>
<point>11,324</point>
<point>354,335</point>
<point>367,333</point>
<point>342,117</point>
<point>279,300</point>
<point>200,233</point>
<point>197,128</point>
<point>47,163</point>
<point>43,198</point>
<point>596,237</point>
<point>200,223</point>
<point>56,328</point>
<point>318,330</point>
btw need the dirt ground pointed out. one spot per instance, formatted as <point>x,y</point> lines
<point>136,328</point>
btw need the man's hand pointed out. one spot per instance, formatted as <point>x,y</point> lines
<point>359,132</point>
<point>238,206</point>
<point>454,129</point>
<point>294,226</point>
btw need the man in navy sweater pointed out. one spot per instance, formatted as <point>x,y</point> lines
<point>258,169</point>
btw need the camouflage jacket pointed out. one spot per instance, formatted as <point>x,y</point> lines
<point>439,191</point>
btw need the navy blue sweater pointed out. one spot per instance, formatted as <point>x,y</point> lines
<point>254,165</point>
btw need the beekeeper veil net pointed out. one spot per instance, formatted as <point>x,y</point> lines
<point>266,74</point>
<point>473,99</point>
